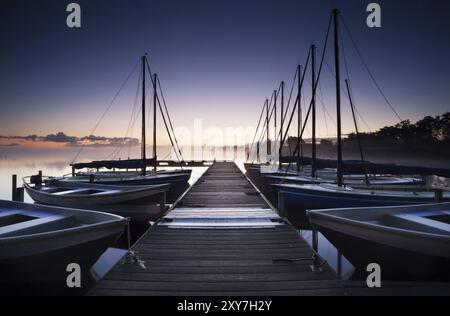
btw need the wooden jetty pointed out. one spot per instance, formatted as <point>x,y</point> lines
<point>224,239</point>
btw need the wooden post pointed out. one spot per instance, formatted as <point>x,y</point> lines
<point>339,263</point>
<point>439,196</point>
<point>316,266</point>
<point>17,193</point>
<point>20,194</point>
<point>315,240</point>
<point>14,187</point>
<point>281,207</point>
<point>162,203</point>
<point>257,152</point>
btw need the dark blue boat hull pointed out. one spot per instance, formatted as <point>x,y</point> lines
<point>295,203</point>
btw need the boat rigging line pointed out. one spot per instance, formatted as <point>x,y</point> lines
<point>170,120</point>
<point>265,130</point>
<point>155,80</point>
<point>358,51</point>
<point>268,120</point>
<point>344,91</point>
<point>257,128</point>
<point>358,136</point>
<point>107,109</point>
<point>315,88</point>
<point>118,149</point>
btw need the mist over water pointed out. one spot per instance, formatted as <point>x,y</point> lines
<point>56,162</point>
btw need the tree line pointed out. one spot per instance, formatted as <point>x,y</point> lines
<point>429,130</point>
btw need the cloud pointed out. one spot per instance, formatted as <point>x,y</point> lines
<point>62,138</point>
<point>10,145</point>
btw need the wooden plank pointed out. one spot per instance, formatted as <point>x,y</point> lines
<point>214,277</point>
<point>217,263</point>
<point>228,287</point>
<point>158,267</point>
<point>299,292</point>
<point>212,246</point>
<point>227,261</point>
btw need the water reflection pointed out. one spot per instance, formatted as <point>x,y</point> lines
<point>57,163</point>
<point>108,260</point>
<point>330,254</point>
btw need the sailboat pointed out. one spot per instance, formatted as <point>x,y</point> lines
<point>297,196</point>
<point>313,170</point>
<point>379,182</point>
<point>123,200</point>
<point>121,174</point>
<point>321,196</point>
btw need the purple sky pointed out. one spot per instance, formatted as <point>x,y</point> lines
<point>218,60</point>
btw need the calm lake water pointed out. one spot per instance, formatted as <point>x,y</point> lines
<point>57,163</point>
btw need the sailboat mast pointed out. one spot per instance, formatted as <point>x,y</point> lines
<point>155,96</point>
<point>340,181</point>
<point>314,143</point>
<point>275,116</point>
<point>358,136</point>
<point>280,151</point>
<point>143,151</point>
<point>299,116</point>
<point>267,129</point>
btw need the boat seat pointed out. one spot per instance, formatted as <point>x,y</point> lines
<point>10,212</point>
<point>10,217</point>
<point>38,225</point>
<point>416,222</point>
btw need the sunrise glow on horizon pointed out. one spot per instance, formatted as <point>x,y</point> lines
<point>212,67</point>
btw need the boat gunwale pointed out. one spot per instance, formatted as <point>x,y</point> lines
<point>154,189</point>
<point>115,220</point>
<point>321,180</point>
<point>322,189</point>
<point>325,215</point>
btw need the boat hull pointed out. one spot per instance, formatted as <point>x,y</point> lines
<point>262,184</point>
<point>35,253</point>
<point>395,263</point>
<point>295,202</point>
<point>90,202</point>
<point>408,242</point>
<point>140,203</point>
<point>178,183</point>
<point>45,273</point>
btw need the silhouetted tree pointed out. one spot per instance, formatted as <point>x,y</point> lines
<point>425,131</point>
